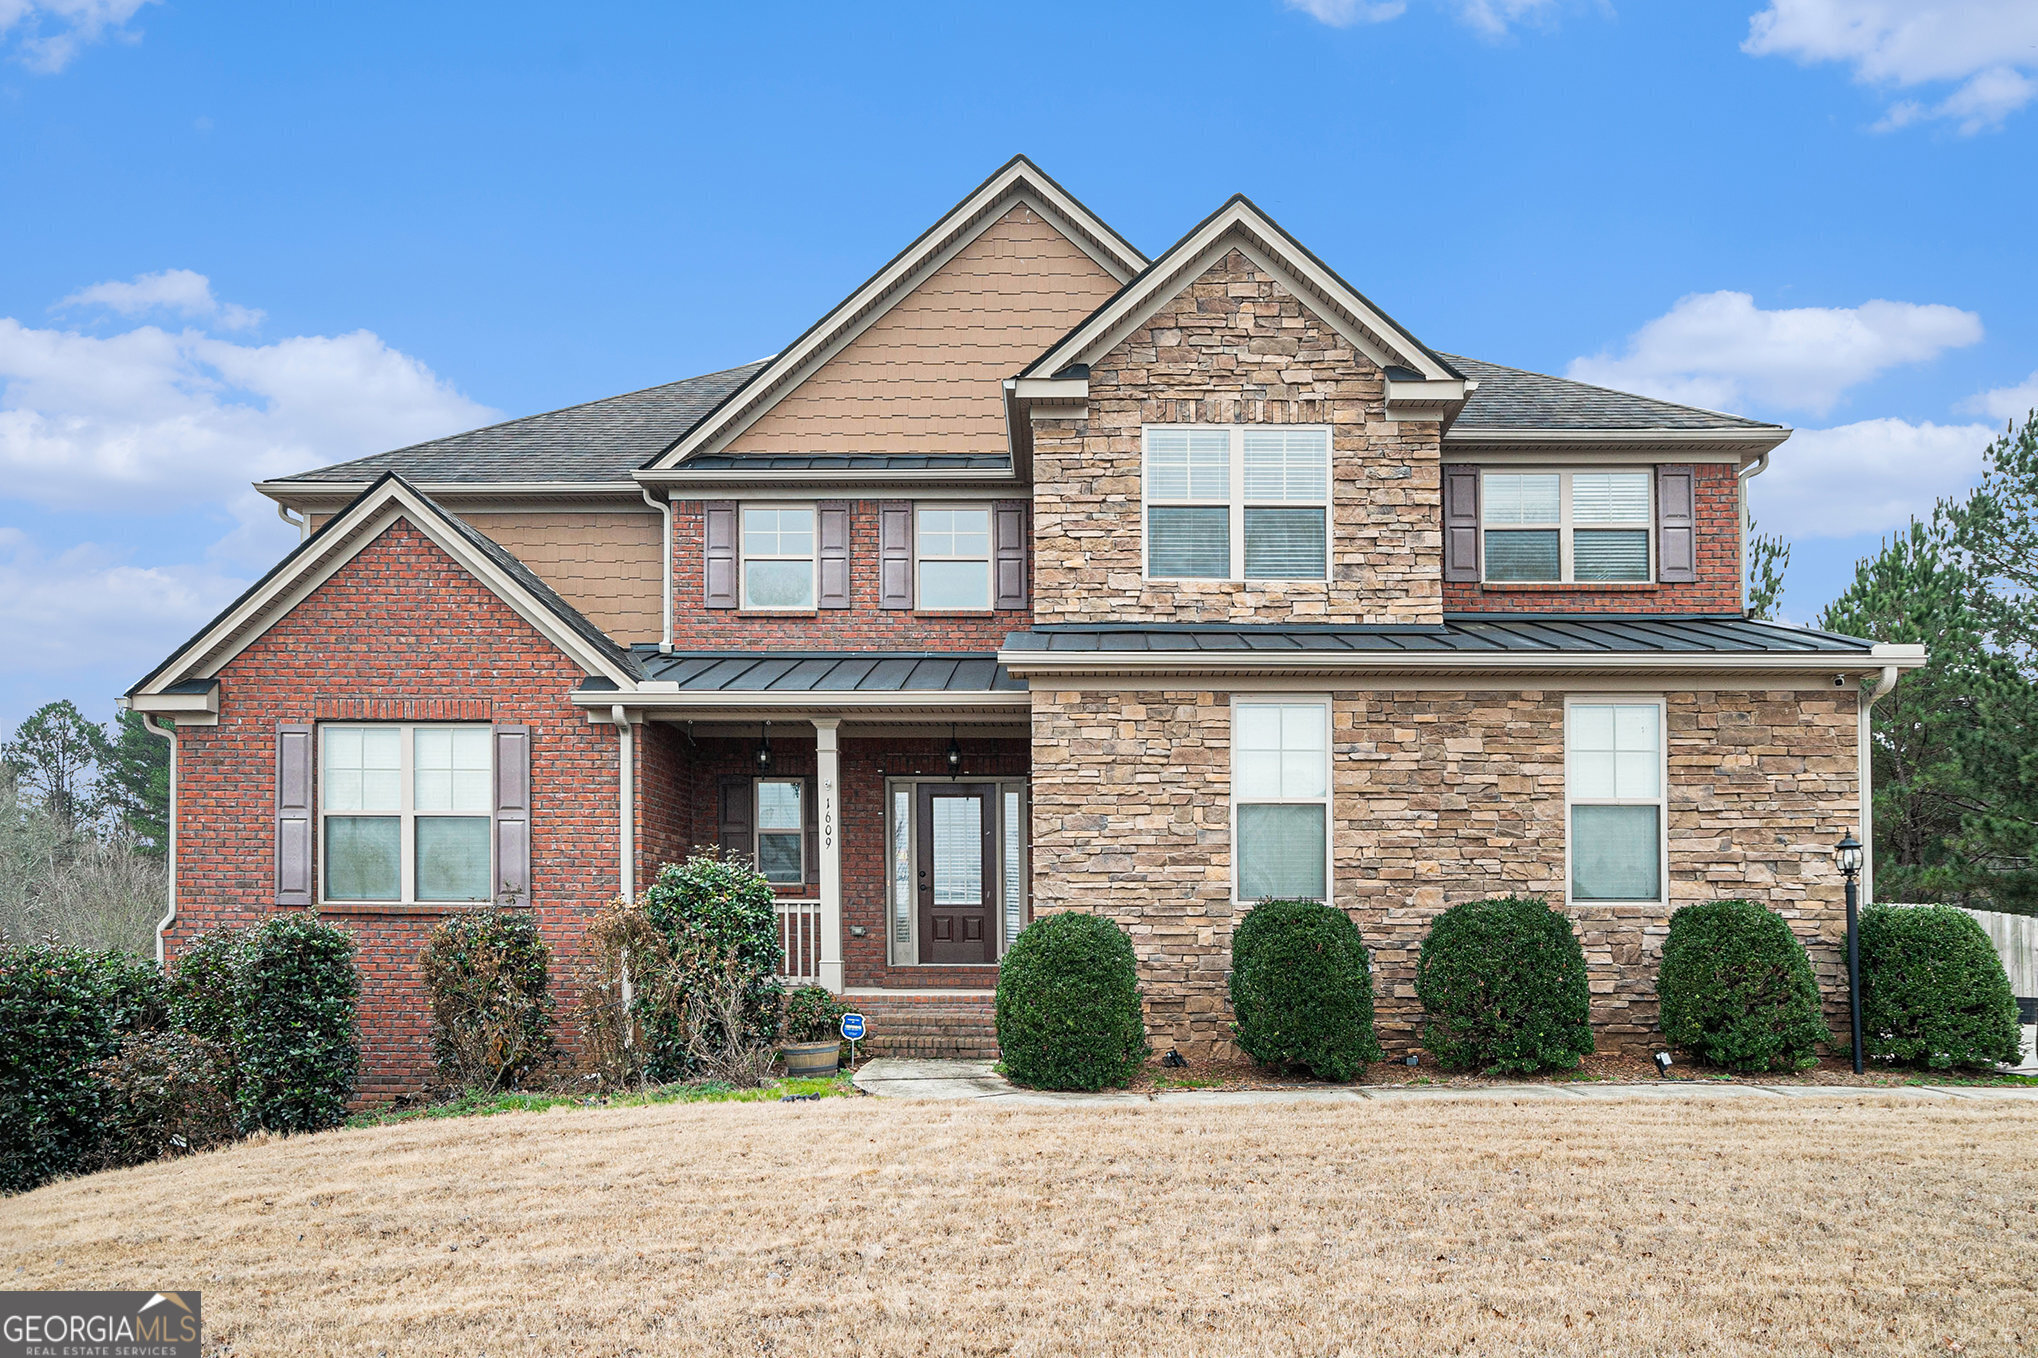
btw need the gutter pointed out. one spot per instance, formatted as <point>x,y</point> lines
<point>1865,770</point>
<point>1026,663</point>
<point>626,799</point>
<point>301,524</point>
<point>1744,476</point>
<point>169,836</point>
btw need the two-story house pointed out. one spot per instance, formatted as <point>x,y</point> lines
<point>1037,575</point>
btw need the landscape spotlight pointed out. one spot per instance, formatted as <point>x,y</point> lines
<point>1663,1064</point>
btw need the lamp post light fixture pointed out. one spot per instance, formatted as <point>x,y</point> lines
<point>1848,854</point>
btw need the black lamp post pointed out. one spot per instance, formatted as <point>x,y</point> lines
<point>1847,853</point>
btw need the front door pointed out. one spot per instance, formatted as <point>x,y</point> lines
<point>957,867</point>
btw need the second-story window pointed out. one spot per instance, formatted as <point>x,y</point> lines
<point>953,551</point>
<point>1566,526</point>
<point>1248,502</point>
<point>778,557</point>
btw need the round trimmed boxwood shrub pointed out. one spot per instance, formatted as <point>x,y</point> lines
<point>1933,991</point>
<point>1301,992</point>
<point>485,975</point>
<point>295,1044</point>
<point>1068,1005</point>
<point>1737,989</point>
<point>62,1012</point>
<point>1502,985</point>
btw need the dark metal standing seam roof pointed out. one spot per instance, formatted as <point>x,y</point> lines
<point>829,672</point>
<point>1463,633</point>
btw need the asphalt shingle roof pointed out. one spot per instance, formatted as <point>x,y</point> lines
<point>1468,633</point>
<point>1512,399</point>
<point>602,440</point>
<point>829,672</point>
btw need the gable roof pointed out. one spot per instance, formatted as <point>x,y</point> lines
<point>598,441</point>
<point>321,555</point>
<point>1240,223</point>
<point>1019,180</point>
<point>1513,399</point>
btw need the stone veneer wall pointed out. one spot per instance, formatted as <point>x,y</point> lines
<point>1439,797</point>
<point>1235,347</point>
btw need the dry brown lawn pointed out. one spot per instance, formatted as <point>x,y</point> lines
<point>867,1226</point>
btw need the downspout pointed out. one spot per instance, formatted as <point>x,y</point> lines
<point>626,795</point>
<point>303,525</point>
<point>1864,763</point>
<point>169,836</point>
<point>1744,476</point>
<point>664,508</point>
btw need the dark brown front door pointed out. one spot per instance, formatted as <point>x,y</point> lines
<point>958,840</point>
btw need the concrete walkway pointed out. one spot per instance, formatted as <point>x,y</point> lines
<point>899,1078</point>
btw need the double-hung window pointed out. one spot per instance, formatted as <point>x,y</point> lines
<point>1244,502</point>
<point>1280,780</point>
<point>1613,784</point>
<point>782,830</point>
<point>953,551</point>
<point>1563,526</point>
<point>407,813</point>
<point>778,557</point>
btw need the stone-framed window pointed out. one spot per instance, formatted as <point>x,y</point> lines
<point>1237,502</point>
<point>1280,798</point>
<point>406,813</point>
<point>778,557</point>
<point>952,558</point>
<point>1615,771</point>
<point>1559,526</point>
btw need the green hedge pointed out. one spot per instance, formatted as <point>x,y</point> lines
<point>711,912</point>
<point>812,1014</point>
<point>1502,984</point>
<point>1301,991</point>
<point>485,974</point>
<point>295,1047</point>
<point>62,1012</point>
<point>165,1093</point>
<point>1737,989</point>
<point>1933,991</point>
<point>1068,1005</point>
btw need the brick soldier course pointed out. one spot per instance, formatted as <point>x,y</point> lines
<point>555,573</point>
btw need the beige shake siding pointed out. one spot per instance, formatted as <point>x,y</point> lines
<point>604,564</point>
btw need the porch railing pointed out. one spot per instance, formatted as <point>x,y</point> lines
<point>799,933</point>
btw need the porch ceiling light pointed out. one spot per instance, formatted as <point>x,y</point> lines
<point>954,753</point>
<point>764,748</point>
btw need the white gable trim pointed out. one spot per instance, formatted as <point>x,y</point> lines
<point>345,538</point>
<point>1241,226</point>
<point>1020,183</point>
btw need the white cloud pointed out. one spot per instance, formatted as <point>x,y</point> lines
<point>1719,350</point>
<point>1491,18</point>
<point>48,33</point>
<point>1495,17</point>
<point>155,421</point>
<point>1989,47</point>
<point>181,292</point>
<point>1345,13</point>
<point>2005,403</point>
<point>86,608</point>
<point>1869,477</point>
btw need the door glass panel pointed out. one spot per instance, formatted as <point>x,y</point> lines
<point>1014,868</point>
<point>902,873</point>
<point>958,831</point>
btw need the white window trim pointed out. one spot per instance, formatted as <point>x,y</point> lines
<point>407,814</point>
<point>744,558</point>
<point>989,558</point>
<point>910,784</point>
<point>757,830</point>
<point>1327,801</point>
<point>1661,801</point>
<point>1235,501</point>
<point>1565,525</point>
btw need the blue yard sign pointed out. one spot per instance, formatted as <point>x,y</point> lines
<point>852,1027</point>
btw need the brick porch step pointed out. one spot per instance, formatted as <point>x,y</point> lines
<point>960,1025</point>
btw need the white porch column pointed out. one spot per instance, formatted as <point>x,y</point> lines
<point>828,783</point>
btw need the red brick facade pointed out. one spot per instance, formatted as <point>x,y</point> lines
<point>401,632</point>
<point>1717,518</point>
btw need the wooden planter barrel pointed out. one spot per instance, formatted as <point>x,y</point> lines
<point>805,1060</point>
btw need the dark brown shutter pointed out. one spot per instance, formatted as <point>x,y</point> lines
<point>1008,554</point>
<point>719,566</point>
<point>733,822</point>
<point>895,554</point>
<point>1676,529</point>
<point>1461,523</point>
<point>833,516</point>
<point>513,815</point>
<point>813,805</point>
<point>293,813</point>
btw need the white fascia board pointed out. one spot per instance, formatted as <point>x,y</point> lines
<point>1022,664</point>
<point>1756,439</point>
<point>1019,183</point>
<point>1053,390</point>
<point>649,699</point>
<point>1379,338</point>
<point>189,709</point>
<point>205,656</point>
<point>680,481</point>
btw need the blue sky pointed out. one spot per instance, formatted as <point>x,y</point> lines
<point>241,240</point>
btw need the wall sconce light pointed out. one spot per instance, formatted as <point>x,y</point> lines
<point>764,749</point>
